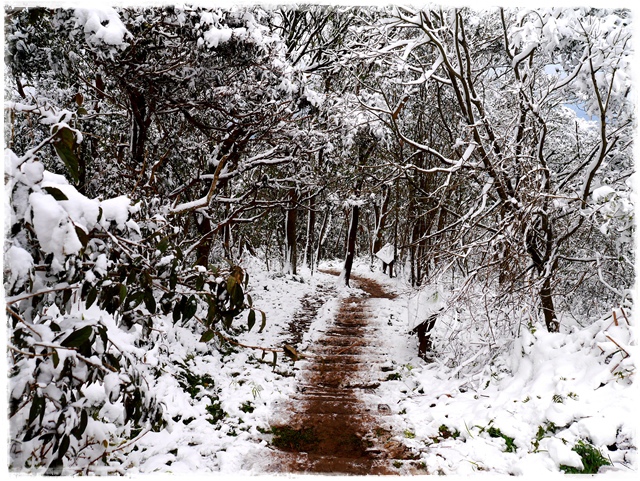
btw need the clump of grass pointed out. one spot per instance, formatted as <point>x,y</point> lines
<point>509,441</point>
<point>193,383</point>
<point>288,438</point>
<point>548,428</point>
<point>592,459</point>
<point>394,377</point>
<point>446,433</point>
<point>247,407</point>
<point>215,412</point>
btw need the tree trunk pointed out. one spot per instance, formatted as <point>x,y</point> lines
<point>380,212</point>
<point>366,144</point>
<point>204,248</point>
<point>548,309</point>
<point>311,223</point>
<point>138,127</point>
<point>290,253</point>
<point>323,234</point>
<point>351,244</point>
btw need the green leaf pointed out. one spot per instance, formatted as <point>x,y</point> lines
<point>83,237</point>
<point>163,245</point>
<point>134,299</point>
<point>199,282</point>
<point>264,322</point>
<point>37,405</point>
<point>66,297</point>
<point>246,280</point>
<point>111,360</point>
<point>237,296</point>
<point>123,293</point>
<point>190,308</point>
<point>150,301</point>
<point>56,358</point>
<point>249,300</point>
<point>177,311</point>
<point>64,143</point>
<point>64,445</point>
<point>91,298</point>
<point>252,318</point>
<point>231,284</point>
<point>207,336</point>
<point>275,359</point>
<point>102,332</point>
<point>78,338</point>
<point>56,193</point>
<point>79,430</point>
<point>212,313</point>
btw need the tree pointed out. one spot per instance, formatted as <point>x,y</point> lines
<point>493,71</point>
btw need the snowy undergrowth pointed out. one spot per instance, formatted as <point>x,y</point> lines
<point>521,405</point>
<point>220,399</point>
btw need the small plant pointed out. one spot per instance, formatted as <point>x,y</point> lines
<point>592,459</point>
<point>409,435</point>
<point>573,396</point>
<point>215,411</point>
<point>395,376</point>
<point>558,399</point>
<point>192,383</point>
<point>397,464</point>
<point>262,430</point>
<point>509,441</point>
<point>256,389</point>
<point>446,433</point>
<point>247,407</point>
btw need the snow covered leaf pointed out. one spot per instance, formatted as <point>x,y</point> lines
<point>64,143</point>
<point>78,338</point>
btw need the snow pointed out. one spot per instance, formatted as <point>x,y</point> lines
<point>116,209</point>
<point>55,233</point>
<point>18,262</point>
<point>422,304</point>
<point>386,254</point>
<point>217,36</point>
<point>102,25</point>
<point>574,385</point>
<point>601,193</point>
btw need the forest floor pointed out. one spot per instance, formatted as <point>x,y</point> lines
<point>330,426</point>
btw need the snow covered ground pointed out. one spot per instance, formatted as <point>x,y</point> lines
<point>520,410</point>
<point>521,406</point>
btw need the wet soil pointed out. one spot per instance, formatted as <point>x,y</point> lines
<point>329,429</point>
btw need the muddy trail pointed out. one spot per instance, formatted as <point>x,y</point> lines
<point>329,428</point>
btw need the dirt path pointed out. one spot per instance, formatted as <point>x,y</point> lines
<point>329,428</point>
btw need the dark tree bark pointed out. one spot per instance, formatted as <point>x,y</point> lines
<point>323,233</point>
<point>366,144</point>
<point>311,224</point>
<point>140,124</point>
<point>290,251</point>
<point>351,243</point>
<point>381,212</point>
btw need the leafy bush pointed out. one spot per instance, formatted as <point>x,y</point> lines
<point>86,283</point>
